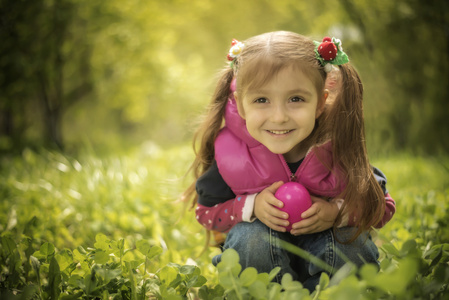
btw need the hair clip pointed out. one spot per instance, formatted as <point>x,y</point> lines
<point>330,52</point>
<point>235,51</point>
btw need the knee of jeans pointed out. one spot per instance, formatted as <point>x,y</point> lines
<point>323,249</point>
<point>251,242</point>
<point>216,259</point>
<point>361,251</point>
<point>247,236</point>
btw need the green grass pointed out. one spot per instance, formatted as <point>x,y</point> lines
<point>117,208</point>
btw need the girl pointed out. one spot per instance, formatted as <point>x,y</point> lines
<point>280,125</point>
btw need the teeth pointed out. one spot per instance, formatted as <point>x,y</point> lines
<point>279,131</point>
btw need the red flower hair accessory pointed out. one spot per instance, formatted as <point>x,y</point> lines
<point>234,52</point>
<point>330,52</point>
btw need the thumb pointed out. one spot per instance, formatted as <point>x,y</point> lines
<point>273,188</point>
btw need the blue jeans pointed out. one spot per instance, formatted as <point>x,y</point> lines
<point>259,247</point>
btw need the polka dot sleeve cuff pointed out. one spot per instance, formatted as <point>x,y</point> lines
<point>223,216</point>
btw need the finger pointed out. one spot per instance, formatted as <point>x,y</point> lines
<point>275,202</point>
<point>313,210</point>
<point>277,213</point>
<point>276,221</point>
<point>316,199</point>
<point>306,223</point>
<point>275,216</point>
<point>273,188</point>
<point>304,231</point>
<point>312,228</point>
<point>306,227</point>
<point>276,227</point>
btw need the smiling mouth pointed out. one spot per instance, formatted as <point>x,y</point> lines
<point>280,131</point>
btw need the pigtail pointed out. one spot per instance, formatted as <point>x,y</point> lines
<point>364,198</point>
<point>204,137</point>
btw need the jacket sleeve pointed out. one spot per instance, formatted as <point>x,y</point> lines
<point>218,207</point>
<point>390,204</point>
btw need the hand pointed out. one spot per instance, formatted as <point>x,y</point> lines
<point>319,217</point>
<point>266,208</point>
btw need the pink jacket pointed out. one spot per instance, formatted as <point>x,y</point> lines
<point>248,167</point>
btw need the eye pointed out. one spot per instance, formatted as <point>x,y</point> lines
<point>261,100</point>
<point>296,99</point>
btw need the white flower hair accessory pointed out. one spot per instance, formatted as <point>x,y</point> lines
<point>330,52</point>
<point>234,52</point>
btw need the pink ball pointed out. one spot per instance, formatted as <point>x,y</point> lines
<point>296,200</point>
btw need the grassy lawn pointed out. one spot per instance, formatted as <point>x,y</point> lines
<point>112,227</point>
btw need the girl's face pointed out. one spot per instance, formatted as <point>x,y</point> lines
<point>282,113</point>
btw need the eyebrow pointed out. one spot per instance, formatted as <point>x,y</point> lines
<point>294,91</point>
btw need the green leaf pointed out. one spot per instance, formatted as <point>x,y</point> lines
<point>368,272</point>
<point>248,276</point>
<point>76,281</point>
<point>154,251</point>
<point>409,247</point>
<point>64,259</point>
<point>324,281</point>
<point>107,274</point>
<point>8,245</point>
<point>167,274</point>
<point>81,250</point>
<point>101,257</point>
<point>264,277</point>
<point>274,290</point>
<point>29,291</point>
<point>200,281</point>
<point>133,283</point>
<point>90,283</point>
<point>273,273</point>
<point>258,289</point>
<point>236,269</point>
<point>35,264</point>
<point>346,271</point>
<point>187,269</point>
<point>176,282</point>
<point>78,256</point>
<point>102,242</point>
<point>227,280</point>
<point>230,257</point>
<point>143,246</point>
<point>396,281</point>
<point>391,249</point>
<point>289,284</point>
<point>54,279</point>
<point>436,259</point>
<point>47,249</point>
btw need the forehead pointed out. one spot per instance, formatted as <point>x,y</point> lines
<point>259,73</point>
<point>288,81</point>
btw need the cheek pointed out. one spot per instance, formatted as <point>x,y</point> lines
<point>307,120</point>
<point>241,110</point>
<point>253,122</point>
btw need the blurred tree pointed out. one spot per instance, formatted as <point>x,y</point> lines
<point>144,68</point>
<point>42,45</point>
<point>409,43</point>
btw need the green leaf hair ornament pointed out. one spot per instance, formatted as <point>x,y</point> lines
<point>330,52</point>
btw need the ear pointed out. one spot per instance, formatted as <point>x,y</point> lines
<point>239,106</point>
<point>321,103</point>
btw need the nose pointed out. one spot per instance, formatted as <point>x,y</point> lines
<point>279,114</point>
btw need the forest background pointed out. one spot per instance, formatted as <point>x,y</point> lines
<point>113,74</point>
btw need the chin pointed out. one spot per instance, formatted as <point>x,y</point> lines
<point>278,151</point>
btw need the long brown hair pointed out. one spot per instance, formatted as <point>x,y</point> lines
<point>204,137</point>
<point>341,121</point>
<point>344,121</point>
